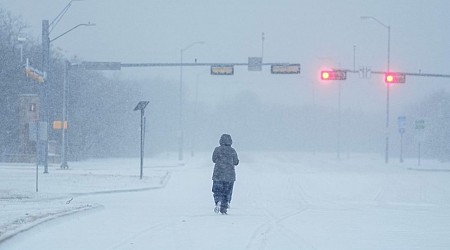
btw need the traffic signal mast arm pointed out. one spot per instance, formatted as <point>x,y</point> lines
<point>387,74</point>
<point>406,73</point>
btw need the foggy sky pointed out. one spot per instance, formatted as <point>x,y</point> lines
<point>316,34</point>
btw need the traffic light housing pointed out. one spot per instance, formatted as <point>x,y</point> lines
<point>35,74</point>
<point>333,75</point>
<point>394,77</point>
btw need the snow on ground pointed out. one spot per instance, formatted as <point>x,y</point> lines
<point>282,200</point>
<point>59,190</point>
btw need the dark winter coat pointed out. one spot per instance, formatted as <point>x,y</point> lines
<point>225,158</point>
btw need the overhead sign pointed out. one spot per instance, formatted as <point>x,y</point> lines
<point>254,63</point>
<point>285,69</point>
<point>365,72</point>
<point>101,65</point>
<point>222,69</point>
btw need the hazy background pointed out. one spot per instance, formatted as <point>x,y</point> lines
<point>317,34</point>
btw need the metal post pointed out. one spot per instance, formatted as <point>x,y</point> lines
<point>46,29</point>
<point>262,46</point>
<point>45,68</point>
<point>64,117</point>
<point>339,123</point>
<point>142,143</point>
<point>180,150</point>
<point>194,133</point>
<point>37,177</point>
<point>388,27</point>
<point>418,159</point>
<point>401,147</point>
<point>37,156</point>
<point>387,95</point>
<point>141,106</point>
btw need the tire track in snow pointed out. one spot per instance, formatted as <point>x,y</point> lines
<point>262,233</point>
<point>126,242</point>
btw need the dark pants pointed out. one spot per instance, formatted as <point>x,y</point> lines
<point>222,191</point>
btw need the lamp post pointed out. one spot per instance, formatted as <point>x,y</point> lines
<point>388,27</point>
<point>180,151</point>
<point>64,164</point>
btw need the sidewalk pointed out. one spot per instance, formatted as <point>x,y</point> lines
<point>61,192</point>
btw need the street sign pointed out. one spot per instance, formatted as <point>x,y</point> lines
<point>141,105</point>
<point>420,124</point>
<point>59,125</point>
<point>365,72</point>
<point>254,63</point>
<point>101,65</point>
<point>33,131</point>
<point>285,69</point>
<point>222,69</point>
<point>401,124</point>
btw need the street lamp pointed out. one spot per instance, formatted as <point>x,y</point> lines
<point>180,152</point>
<point>388,27</point>
<point>76,26</point>
<point>47,28</point>
<point>64,125</point>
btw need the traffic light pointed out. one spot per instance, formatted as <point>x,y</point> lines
<point>35,74</point>
<point>333,75</point>
<point>393,77</point>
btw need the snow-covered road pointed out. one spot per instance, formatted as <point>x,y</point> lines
<point>281,201</point>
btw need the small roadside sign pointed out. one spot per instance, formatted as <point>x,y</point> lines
<point>59,125</point>
<point>401,124</point>
<point>420,124</point>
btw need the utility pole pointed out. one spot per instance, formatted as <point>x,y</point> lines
<point>64,164</point>
<point>43,111</point>
<point>388,27</point>
<point>42,144</point>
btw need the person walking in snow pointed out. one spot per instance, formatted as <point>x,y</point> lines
<point>224,175</point>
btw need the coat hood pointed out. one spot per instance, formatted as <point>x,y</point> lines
<point>225,140</point>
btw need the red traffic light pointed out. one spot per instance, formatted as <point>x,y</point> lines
<point>325,75</point>
<point>393,77</point>
<point>333,75</point>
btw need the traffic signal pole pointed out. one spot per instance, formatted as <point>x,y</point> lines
<point>387,92</point>
<point>43,113</point>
